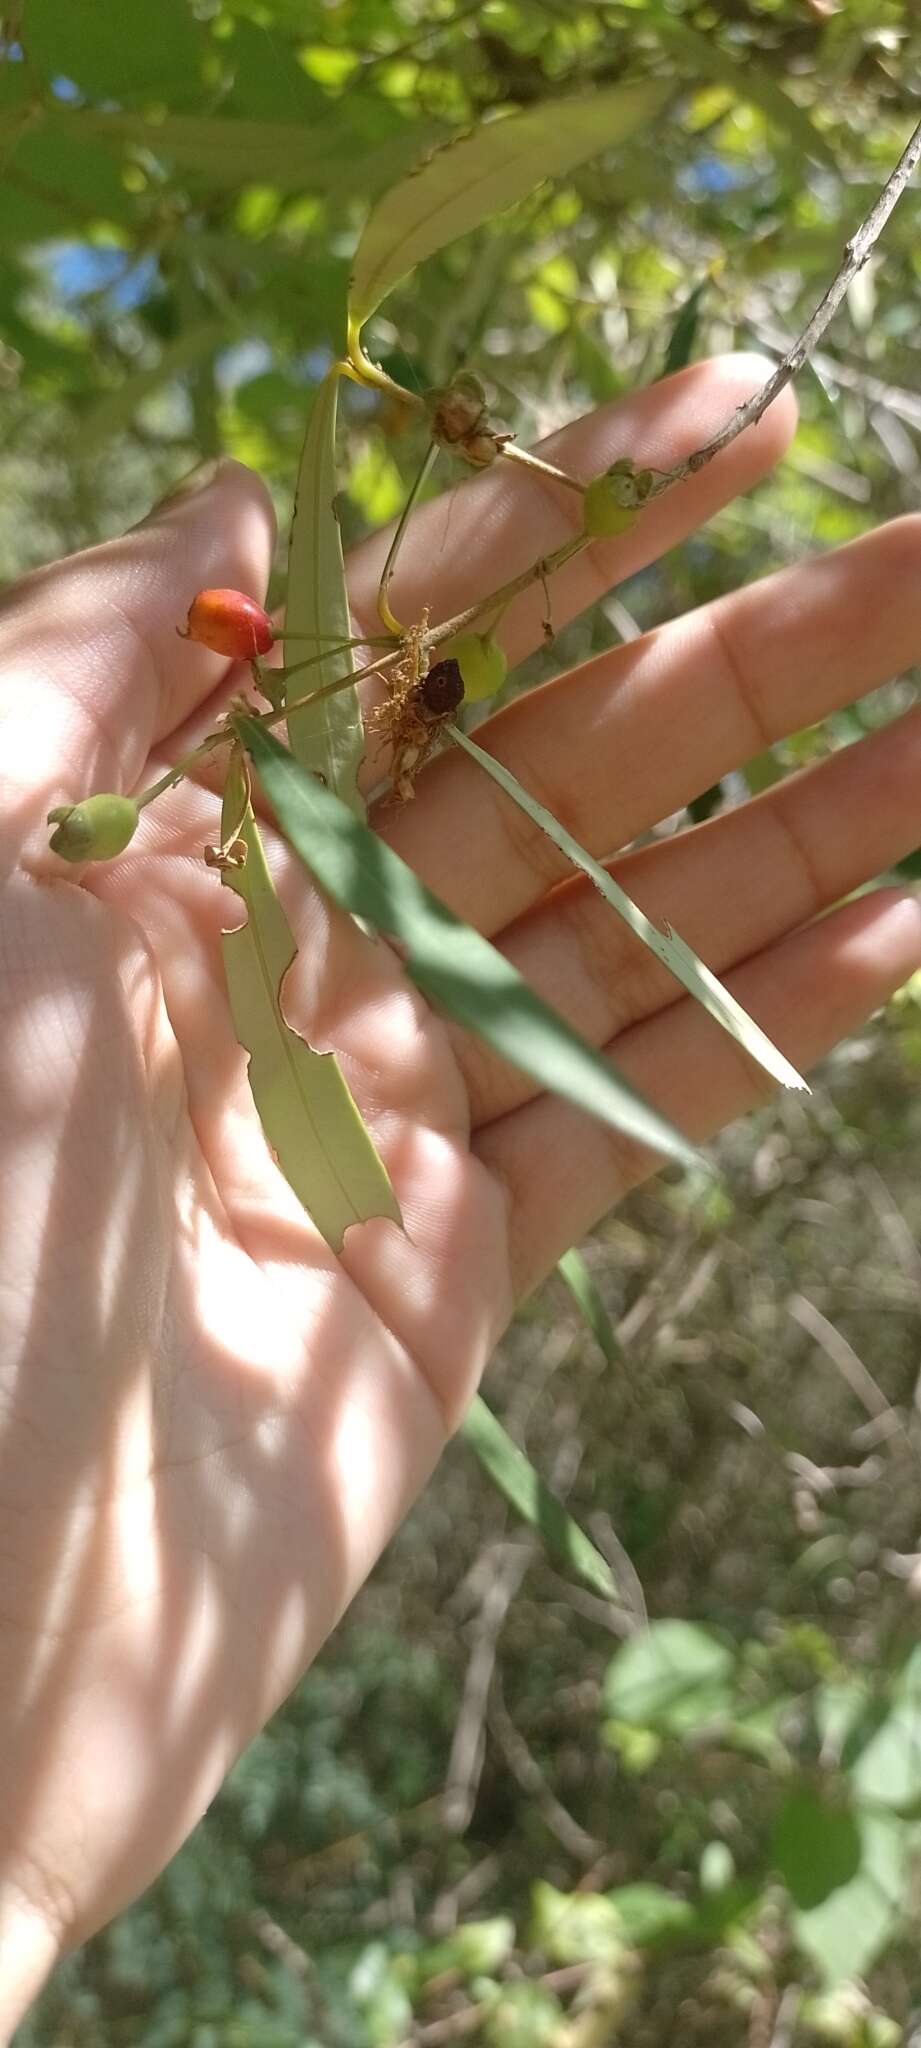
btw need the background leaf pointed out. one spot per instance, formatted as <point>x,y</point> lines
<point>449,961</point>
<point>847,1928</point>
<point>327,738</point>
<point>119,52</point>
<point>671,1676</point>
<point>466,182</point>
<point>305,1108</point>
<point>815,1846</point>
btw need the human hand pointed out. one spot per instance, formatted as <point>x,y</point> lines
<point>210,1424</point>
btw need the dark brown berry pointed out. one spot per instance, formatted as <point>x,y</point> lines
<point>441,691</point>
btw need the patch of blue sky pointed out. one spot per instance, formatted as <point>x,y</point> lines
<point>714,174</point>
<point>77,268</point>
<point>242,361</point>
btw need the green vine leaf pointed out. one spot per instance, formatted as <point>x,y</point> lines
<point>305,1108</point>
<point>327,738</point>
<point>468,180</point>
<point>667,946</point>
<point>452,964</point>
<point>516,1479</point>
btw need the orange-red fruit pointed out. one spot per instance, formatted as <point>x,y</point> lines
<point>229,622</point>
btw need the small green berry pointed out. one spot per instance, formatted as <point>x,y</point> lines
<point>96,829</point>
<point>603,511</point>
<point>482,664</point>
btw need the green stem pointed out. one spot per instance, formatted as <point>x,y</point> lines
<point>181,767</point>
<point>512,453</point>
<point>360,368</point>
<point>383,605</point>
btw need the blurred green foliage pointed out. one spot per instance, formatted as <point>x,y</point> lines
<point>708,1832</point>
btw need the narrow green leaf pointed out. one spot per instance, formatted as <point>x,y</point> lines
<point>667,946</point>
<point>684,330</point>
<point>327,738</point>
<point>305,1108</point>
<point>467,180</point>
<point>573,1269</point>
<point>526,1492</point>
<point>228,154</point>
<point>452,964</point>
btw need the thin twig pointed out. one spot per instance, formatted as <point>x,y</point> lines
<point>843,1357</point>
<point>856,251</point>
<point>467,1749</point>
<point>524,1766</point>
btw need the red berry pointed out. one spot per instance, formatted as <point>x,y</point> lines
<point>229,622</point>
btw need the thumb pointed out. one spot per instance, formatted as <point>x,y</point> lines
<point>92,674</point>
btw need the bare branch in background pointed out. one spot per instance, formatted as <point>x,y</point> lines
<point>856,251</point>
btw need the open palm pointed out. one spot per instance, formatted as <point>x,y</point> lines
<point>209,1424</point>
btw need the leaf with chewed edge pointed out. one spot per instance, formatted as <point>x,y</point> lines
<point>305,1108</point>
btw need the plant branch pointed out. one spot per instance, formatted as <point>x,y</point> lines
<point>856,251</point>
<point>537,573</point>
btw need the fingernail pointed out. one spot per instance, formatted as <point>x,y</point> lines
<point>187,486</point>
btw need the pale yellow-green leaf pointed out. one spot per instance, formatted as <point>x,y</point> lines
<point>325,737</point>
<point>467,181</point>
<point>230,154</point>
<point>304,1105</point>
<point>667,946</point>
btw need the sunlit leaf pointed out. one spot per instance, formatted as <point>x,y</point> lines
<point>326,737</point>
<point>843,1922</point>
<point>667,946</point>
<point>467,181</point>
<point>888,1770</point>
<point>673,1676</point>
<point>577,1927</point>
<point>526,1492</point>
<point>573,1269</point>
<point>305,1108</point>
<point>452,964</point>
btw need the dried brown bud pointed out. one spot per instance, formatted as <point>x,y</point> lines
<point>456,409</point>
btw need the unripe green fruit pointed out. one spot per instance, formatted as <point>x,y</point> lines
<point>602,510</point>
<point>482,664</point>
<point>96,829</point>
